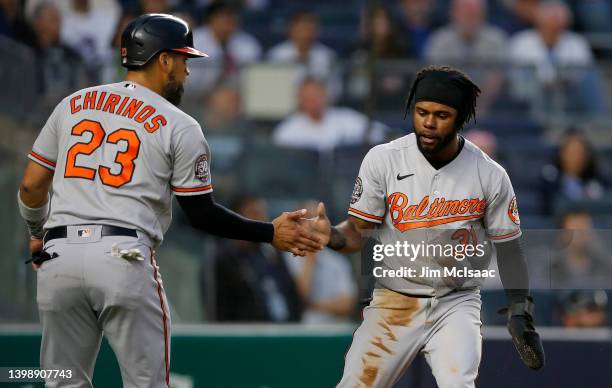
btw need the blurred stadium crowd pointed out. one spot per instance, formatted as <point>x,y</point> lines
<point>293,95</point>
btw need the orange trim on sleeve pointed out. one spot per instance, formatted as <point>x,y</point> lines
<point>41,159</point>
<point>505,235</point>
<point>351,209</point>
<point>191,189</point>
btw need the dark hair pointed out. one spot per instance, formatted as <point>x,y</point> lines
<point>584,299</point>
<point>218,7</point>
<point>393,45</point>
<point>470,91</point>
<point>302,14</point>
<point>42,6</point>
<point>590,170</point>
<point>311,80</point>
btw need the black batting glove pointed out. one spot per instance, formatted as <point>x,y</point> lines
<point>524,336</point>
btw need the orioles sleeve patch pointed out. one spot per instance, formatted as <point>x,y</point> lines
<point>513,213</point>
<point>201,169</point>
<point>357,191</point>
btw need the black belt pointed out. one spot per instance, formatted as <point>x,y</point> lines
<point>107,230</point>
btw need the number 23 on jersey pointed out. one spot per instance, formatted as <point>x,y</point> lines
<point>124,158</point>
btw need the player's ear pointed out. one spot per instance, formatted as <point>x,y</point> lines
<point>165,61</point>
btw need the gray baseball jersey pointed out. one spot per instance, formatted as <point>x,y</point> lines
<point>469,201</point>
<point>119,151</point>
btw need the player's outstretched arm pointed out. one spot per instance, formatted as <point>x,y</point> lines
<point>284,233</point>
<point>346,237</point>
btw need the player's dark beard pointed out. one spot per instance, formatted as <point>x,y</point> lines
<point>442,142</point>
<point>173,91</point>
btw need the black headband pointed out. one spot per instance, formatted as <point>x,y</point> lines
<point>440,87</point>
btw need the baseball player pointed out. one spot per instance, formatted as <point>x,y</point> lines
<point>430,189</point>
<point>116,154</point>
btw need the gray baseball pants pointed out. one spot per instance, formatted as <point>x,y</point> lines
<point>397,327</point>
<point>87,292</point>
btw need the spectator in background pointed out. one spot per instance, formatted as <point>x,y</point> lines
<point>521,15</point>
<point>379,34</point>
<point>585,309</point>
<point>484,140</point>
<point>223,112</point>
<point>245,5</point>
<point>12,22</point>
<point>416,17</point>
<point>227,46</point>
<point>153,6</point>
<point>229,132</point>
<point>60,70</point>
<point>469,41</point>
<point>317,126</point>
<point>581,260</point>
<point>303,48</point>
<point>252,282</point>
<point>563,61</point>
<point>325,282</point>
<point>88,28</point>
<point>573,175</point>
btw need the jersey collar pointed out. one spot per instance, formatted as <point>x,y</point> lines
<point>440,167</point>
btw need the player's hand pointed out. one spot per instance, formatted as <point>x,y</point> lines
<point>319,225</point>
<point>524,336</point>
<point>292,237</point>
<point>527,341</point>
<point>36,246</point>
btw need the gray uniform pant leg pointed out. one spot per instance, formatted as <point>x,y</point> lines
<point>386,342</point>
<point>139,333</point>
<point>396,328</point>
<point>454,344</point>
<point>86,292</point>
<point>70,332</point>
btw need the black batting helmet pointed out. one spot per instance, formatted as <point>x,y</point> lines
<point>152,33</point>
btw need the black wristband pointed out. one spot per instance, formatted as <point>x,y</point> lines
<point>337,241</point>
<point>265,232</point>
